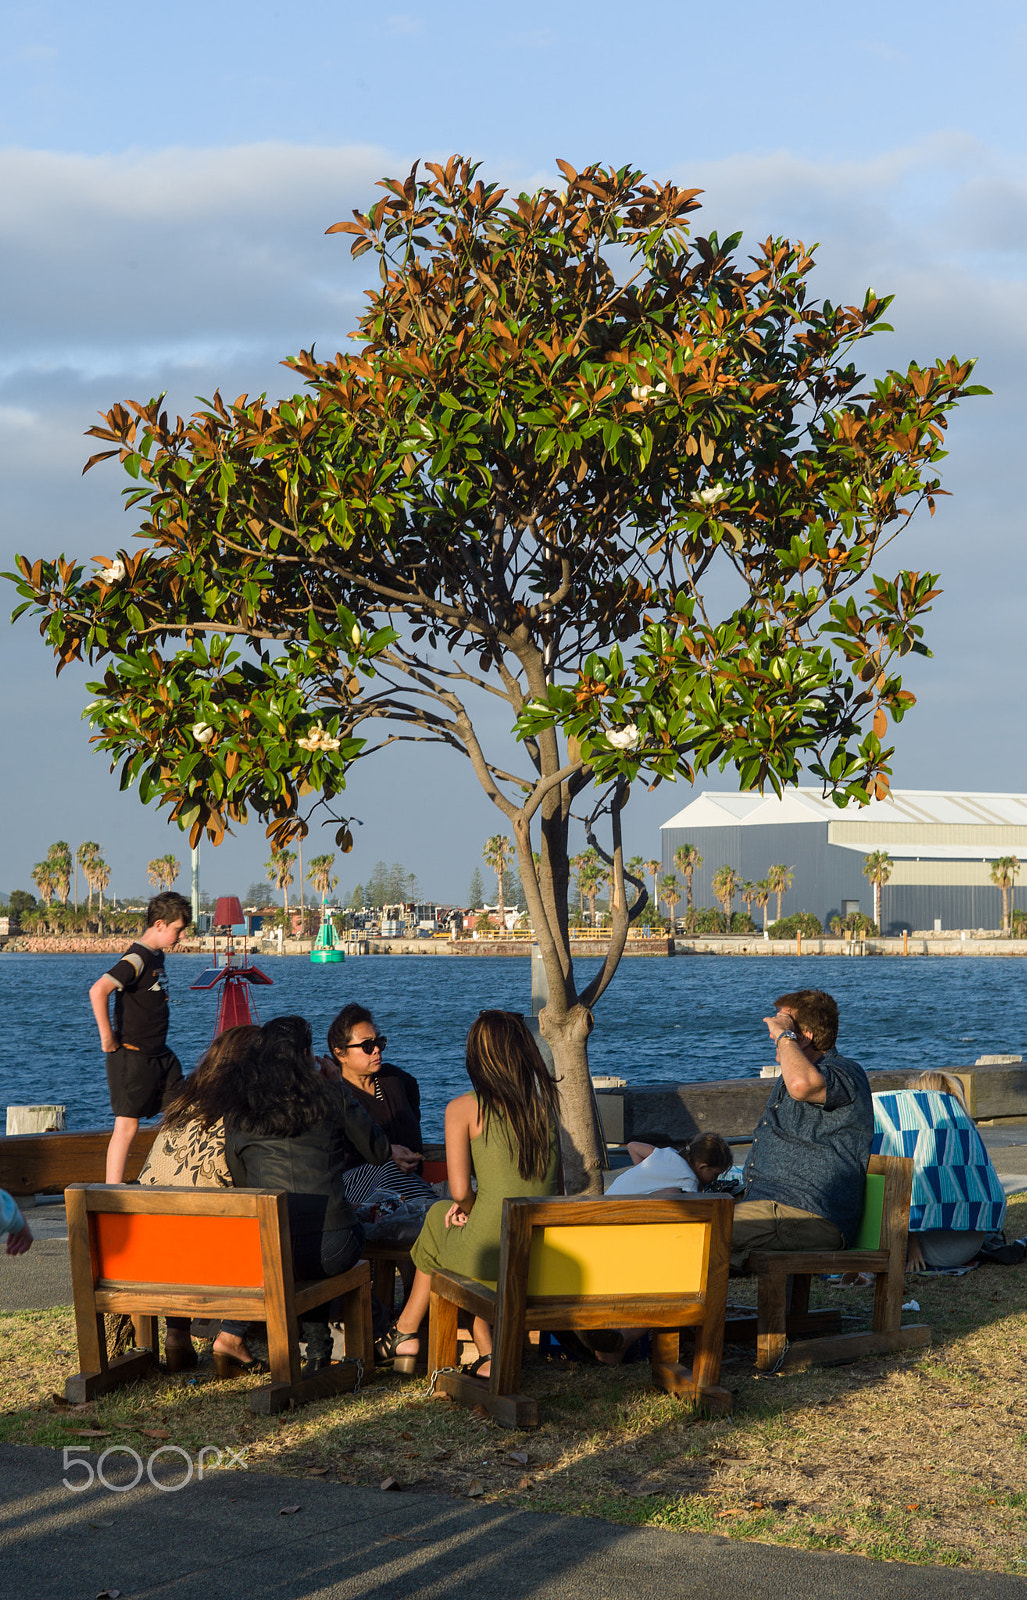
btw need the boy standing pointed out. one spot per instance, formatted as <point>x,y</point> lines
<point>142,1073</point>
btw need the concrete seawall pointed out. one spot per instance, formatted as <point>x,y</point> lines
<point>733,1106</point>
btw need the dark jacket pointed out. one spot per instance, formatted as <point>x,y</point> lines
<point>309,1167</point>
<point>398,1111</point>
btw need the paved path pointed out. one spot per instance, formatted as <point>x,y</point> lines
<point>226,1539</point>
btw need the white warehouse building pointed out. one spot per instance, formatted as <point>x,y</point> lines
<point>942,846</point>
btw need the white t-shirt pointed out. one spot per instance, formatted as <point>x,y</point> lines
<point>664,1169</point>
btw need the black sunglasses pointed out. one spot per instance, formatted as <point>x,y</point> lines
<point>368,1046</point>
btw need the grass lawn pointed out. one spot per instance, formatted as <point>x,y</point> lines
<point>919,1457</point>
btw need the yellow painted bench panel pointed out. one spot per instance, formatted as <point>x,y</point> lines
<point>648,1258</point>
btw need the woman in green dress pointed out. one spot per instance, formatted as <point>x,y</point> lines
<point>505,1134</point>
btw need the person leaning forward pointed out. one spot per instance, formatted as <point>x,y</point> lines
<point>805,1173</point>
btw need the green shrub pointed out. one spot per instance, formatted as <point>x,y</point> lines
<point>704,919</point>
<point>741,922</point>
<point>856,923</point>
<point>803,922</point>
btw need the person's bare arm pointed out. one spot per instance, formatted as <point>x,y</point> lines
<point>99,999</point>
<point>801,1078</point>
<point>638,1150</point>
<point>459,1115</point>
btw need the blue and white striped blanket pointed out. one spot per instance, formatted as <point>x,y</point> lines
<point>954,1183</point>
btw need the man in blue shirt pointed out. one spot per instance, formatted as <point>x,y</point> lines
<point>805,1173</point>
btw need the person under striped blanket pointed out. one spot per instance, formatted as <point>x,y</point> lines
<point>957,1197</point>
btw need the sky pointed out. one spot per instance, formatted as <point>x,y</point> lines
<point>166,178</point>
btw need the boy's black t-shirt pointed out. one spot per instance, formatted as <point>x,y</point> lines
<point>141,999</point>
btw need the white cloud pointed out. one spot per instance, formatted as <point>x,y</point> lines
<point>177,254</point>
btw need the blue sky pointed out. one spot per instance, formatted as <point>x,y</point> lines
<point>167,179</point>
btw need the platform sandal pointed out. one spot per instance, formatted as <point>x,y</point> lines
<point>385,1350</point>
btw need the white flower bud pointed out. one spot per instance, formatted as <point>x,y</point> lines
<point>203,733</point>
<point>355,633</point>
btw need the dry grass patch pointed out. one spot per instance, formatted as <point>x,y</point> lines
<point>919,1457</point>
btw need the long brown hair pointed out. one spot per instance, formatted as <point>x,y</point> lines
<point>510,1079</point>
<point>207,1094</point>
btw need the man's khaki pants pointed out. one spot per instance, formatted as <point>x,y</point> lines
<point>766,1225</point>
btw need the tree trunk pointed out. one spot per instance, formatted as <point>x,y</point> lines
<point>583,1146</point>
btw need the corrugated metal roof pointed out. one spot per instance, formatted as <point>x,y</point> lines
<point>923,806</point>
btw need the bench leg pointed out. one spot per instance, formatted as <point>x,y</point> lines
<point>442,1334</point>
<point>700,1384</point>
<point>123,1369</point>
<point>356,1322</point>
<point>771,1339</point>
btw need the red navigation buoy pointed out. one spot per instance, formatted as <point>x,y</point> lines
<point>235,1008</point>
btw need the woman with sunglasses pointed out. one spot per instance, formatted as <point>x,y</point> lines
<point>504,1135</point>
<point>391,1098</point>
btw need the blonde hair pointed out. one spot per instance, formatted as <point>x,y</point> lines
<point>943,1083</point>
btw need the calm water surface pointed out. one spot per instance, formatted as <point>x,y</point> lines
<point>661,1020</point>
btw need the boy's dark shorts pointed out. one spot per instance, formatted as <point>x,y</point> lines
<point>141,1085</point>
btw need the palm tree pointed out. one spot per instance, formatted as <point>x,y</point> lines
<point>588,871</point>
<point>101,878</point>
<point>162,872</point>
<point>670,892</point>
<point>779,881</point>
<point>748,892</point>
<point>61,865</point>
<point>319,872</point>
<point>653,867</point>
<point>688,861</point>
<point>762,898</point>
<point>724,884</point>
<point>85,855</point>
<point>43,877</point>
<point>496,854</point>
<point>877,866</point>
<point>1003,875</point>
<point>636,868</point>
<point>278,872</point>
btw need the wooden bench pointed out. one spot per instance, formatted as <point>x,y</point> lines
<point>198,1252</point>
<point>879,1248</point>
<point>581,1263</point>
<point>45,1163</point>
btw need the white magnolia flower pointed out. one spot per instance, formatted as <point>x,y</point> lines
<point>625,738</point>
<point>203,733</point>
<point>317,739</point>
<point>714,491</point>
<point>114,573</point>
<point>355,633</point>
<point>642,391</point>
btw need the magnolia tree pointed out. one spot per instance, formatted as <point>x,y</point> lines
<point>561,425</point>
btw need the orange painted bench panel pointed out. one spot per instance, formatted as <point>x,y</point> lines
<point>223,1252</point>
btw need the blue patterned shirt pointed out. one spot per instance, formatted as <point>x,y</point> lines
<point>955,1185</point>
<point>815,1157</point>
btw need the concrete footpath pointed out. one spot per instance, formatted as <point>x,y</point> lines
<point>232,1538</point>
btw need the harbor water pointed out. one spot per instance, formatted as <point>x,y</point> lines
<point>676,1020</point>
